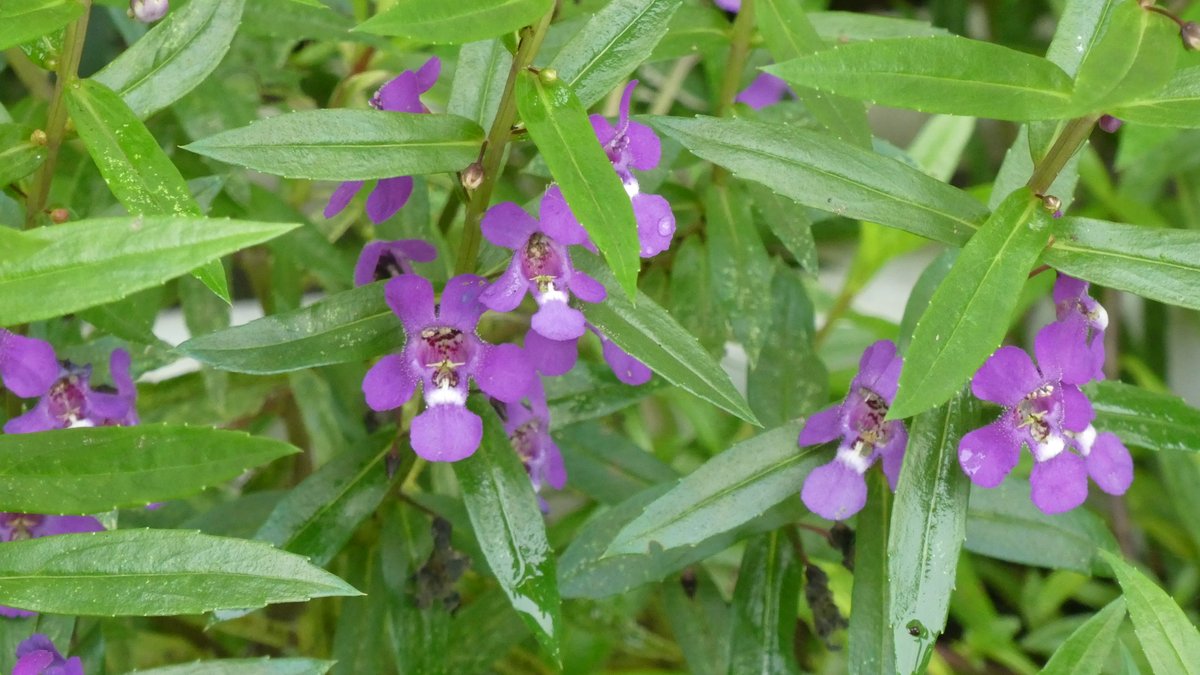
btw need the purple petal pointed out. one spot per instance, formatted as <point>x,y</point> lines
<point>341,197</point>
<point>507,224</point>
<point>834,491</point>
<point>403,92</point>
<point>586,288</point>
<point>14,613</point>
<point>644,146</point>
<point>446,433</point>
<point>411,297</point>
<point>558,221</point>
<point>366,270</point>
<point>53,525</point>
<point>893,452</point>
<point>505,373</point>
<point>73,666</point>
<point>415,249</point>
<point>655,223</point>
<point>507,291</point>
<point>28,366</point>
<point>1059,483</point>
<point>1109,464</point>
<point>389,383</point>
<point>427,74</point>
<point>389,195</point>
<point>989,453</point>
<point>551,357</point>
<point>605,131</point>
<point>557,320</point>
<point>118,370</point>
<point>460,307</point>
<point>1077,409</point>
<point>37,419</point>
<point>879,370</point>
<point>627,369</point>
<point>729,5</point>
<point>1006,377</point>
<point>554,469</point>
<point>34,663</point>
<point>1110,124</point>
<point>38,642</point>
<point>1068,290</point>
<point>626,98</point>
<point>1097,351</point>
<point>368,262</point>
<point>1062,350</point>
<point>765,90</point>
<point>822,427</point>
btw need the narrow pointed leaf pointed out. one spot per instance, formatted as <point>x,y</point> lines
<point>479,81</point>
<point>870,649</point>
<point>348,144</point>
<point>155,573</point>
<point>1088,648</point>
<point>564,136</point>
<point>699,617</point>
<point>1145,418</point>
<point>455,22</point>
<point>970,312</point>
<point>1177,104</point>
<point>1135,56</point>
<point>24,20</point>
<point>740,268</point>
<point>19,156</point>
<point>764,608</point>
<point>1169,639</point>
<point>264,666</point>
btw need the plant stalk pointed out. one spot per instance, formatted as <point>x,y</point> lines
<point>1068,143</point>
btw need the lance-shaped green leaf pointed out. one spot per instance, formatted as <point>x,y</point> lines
<point>725,492</point>
<point>763,629</point>
<point>699,617</point>
<point>1088,648</point>
<point>174,56</point>
<point>136,169</point>
<point>155,573</point>
<point>839,27</point>
<point>870,649</point>
<point>650,334</point>
<point>1134,57</point>
<point>263,666</point>
<point>740,267</point>
<point>825,173</point>
<point>85,470</point>
<point>19,155</point>
<point>479,81</point>
<point>1169,639</point>
<point>91,262</point>
<point>970,312</point>
<point>1160,264</point>
<point>1177,104</point>
<point>509,527</point>
<point>353,325</point>
<point>318,516</point>
<point>24,20</point>
<point>789,376</point>
<point>929,521</point>
<point>455,22</point>
<point>565,138</point>
<point>615,41</point>
<point>788,33</point>
<point>950,75</point>
<point>607,466</point>
<point>1145,418</point>
<point>348,144</point>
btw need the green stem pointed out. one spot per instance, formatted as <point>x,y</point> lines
<point>495,145</point>
<point>56,122</point>
<point>1068,143</point>
<point>673,85</point>
<point>739,51</point>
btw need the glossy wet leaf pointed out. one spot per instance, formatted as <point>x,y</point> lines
<point>1145,418</point>
<point>739,266</point>
<point>870,649</point>
<point>565,138</point>
<point>479,81</point>
<point>764,610</point>
<point>86,470</point>
<point>263,666</point>
<point>699,617</point>
<point>789,377</point>
<point>24,20</point>
<point>19,156</point>
<point>606,466</point>
<point>970,312</point>
<point>455,22</point>
<point>1169,639</point>
<point>155,573</point>
<point>1088,648</point>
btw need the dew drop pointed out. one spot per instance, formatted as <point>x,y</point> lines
<point>666,227</point>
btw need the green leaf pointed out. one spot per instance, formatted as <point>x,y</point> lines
<point>839,27</point>
<point>1156,263</point>
<point>764,608</point>
<point>788,33</point>
<point>950,75</point>
<point>1088,648</point>
<point>615,41</point>
<point>970,311</point>
<point>86,470</point>
<point>24,20</point>
<point>317,517</point>
<point>564,136</point>
<point>479,81</point>
<point>174,56</point>
<point>155,573</point>
<point>348,144</point>
<point>1003,523</point>
<point>350,326</point>
<point>725,492</point>
<point>1145,418</point>
<point>788,222</point>
<point>509,526</point>
<point>263,666</point>
<point>607,466</point>
<point>1177,104</point>
<point>650,334</point>
<point>929,520</point>
<point>699,618</point>
<point>1135,56</point>
<point>1168,637</point>
<point>92,262</point>
<point>19,156</point>
<point>824,173</point>
<point>789,376</point>
<point>740,268</point>
<point>590,391</point>
<point>455,22</point>
<point>870,648</point>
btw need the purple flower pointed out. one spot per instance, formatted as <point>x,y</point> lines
<point>386,259</point>
<point>148,11</point>
<point>557,357</point>
<point>67,397</point>
<point>729,5</point>
<point>765,90</point>
<point>1110,124</point>
<point>541,265</point>
<point>529,429</point>
<point>837,490</point>
<point>401,94</point>
<point>1071,303</point>
<point>441,353</point>
<point>36,655</point>
<point>28,366</point>
<point>1044,410</point>
<point>16,526</point>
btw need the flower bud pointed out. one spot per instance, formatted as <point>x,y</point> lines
<point>1110,123</point>
<point>472,176</point>
<point>1053,204</point>
<point>1190,32</point>
<point>38,137</point>
<point>148,11</point>
<point>59,216</point>
<point>548,75</point>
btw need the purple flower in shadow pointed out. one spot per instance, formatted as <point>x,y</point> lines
<point>386,259</point>
<point>400,94</point>
<point>528,427</point>
<point>557,357</point>
<point>838,490</point>
<point>1044,410</point>
<point>442,353</point>
<point>540,265</point>
<point>36,655</point>
<point>67,397</point>
<point>1071,300</point>
<point>765,90</point>
<point>17,526</point>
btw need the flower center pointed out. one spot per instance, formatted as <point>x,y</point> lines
<point>542,263</point>
<point>67,399</point>
<point>524,440</point>
<point>22,525</point>
<point>1033,410</point>
<point>388,266</point>
<point>867,420</point>
<point>444,350</point>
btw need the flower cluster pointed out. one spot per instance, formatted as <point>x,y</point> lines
<point>1045,410</point>
<point>37,655</point>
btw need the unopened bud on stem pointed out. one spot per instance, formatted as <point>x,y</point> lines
<point>1190,32</point>
<point>148,11</point>
<point>472,176</point>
